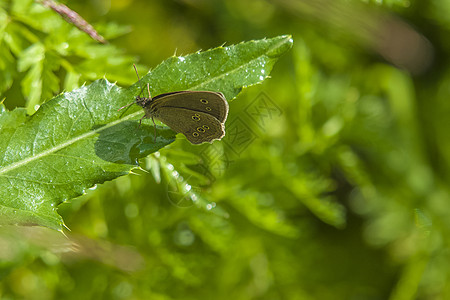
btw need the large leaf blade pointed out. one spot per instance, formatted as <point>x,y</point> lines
<point>79,139</point>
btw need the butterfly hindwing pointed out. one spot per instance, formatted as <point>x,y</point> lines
<point>197,126</point>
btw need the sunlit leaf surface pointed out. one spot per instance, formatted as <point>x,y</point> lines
<point>79,139</point>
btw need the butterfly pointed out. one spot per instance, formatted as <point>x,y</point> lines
<point>199,115</point>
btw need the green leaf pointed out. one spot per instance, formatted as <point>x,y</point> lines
<point>40,81</point>
<point>225,69</point>
<point>79,139</point>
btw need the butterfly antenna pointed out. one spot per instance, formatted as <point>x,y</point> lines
<point>139,79</point>
<point>148,89</point>
<point>125,106</point>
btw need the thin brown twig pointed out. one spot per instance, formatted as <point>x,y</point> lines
<point>74,18</point>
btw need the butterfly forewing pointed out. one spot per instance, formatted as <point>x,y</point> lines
<point>211,103</point>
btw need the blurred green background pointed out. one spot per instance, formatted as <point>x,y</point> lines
<point>332,181</point>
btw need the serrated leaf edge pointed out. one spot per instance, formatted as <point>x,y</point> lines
<point>241,66</point>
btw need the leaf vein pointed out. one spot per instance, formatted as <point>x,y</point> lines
<point>52,150</point>
<point>238,68</point>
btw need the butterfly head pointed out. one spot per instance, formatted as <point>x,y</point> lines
<point>143,101</point>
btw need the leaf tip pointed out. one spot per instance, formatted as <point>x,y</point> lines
<point>283,44</point>
<point>290,40</point>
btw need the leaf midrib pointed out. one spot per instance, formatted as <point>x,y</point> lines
<point>54,149</point>
<point>241,66</point>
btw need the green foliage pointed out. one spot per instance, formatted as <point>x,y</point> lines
<point>331,182</point>
<point>37,44</point>
<point>79,139</point>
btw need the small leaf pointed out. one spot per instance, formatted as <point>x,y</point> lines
<point>79,139</point>
<point>7,71</point>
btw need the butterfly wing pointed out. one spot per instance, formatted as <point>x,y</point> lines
<point>197,126</point>
<point>211,103</point>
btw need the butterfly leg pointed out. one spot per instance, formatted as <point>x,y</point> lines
<point>140,122</point>
<point>154,126</point>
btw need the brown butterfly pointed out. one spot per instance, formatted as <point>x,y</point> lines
<point>199,115</point>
